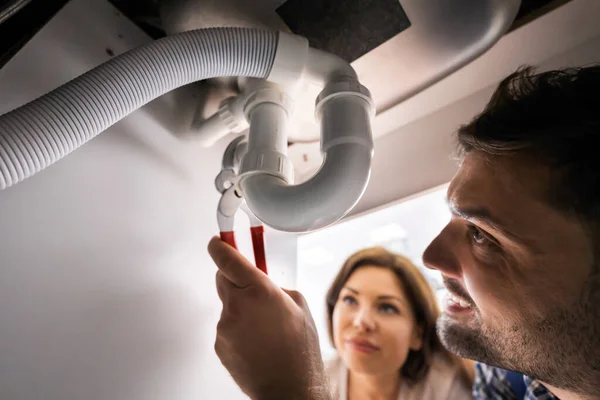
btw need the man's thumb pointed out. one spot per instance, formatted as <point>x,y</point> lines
<point>234,266</point>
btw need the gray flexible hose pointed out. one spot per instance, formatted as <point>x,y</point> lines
<point>36,135</point>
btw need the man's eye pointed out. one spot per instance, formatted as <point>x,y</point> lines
<point>477,236</point>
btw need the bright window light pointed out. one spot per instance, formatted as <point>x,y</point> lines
<point>316,256</point>
<point>406,227</point>
<point>387,233</point>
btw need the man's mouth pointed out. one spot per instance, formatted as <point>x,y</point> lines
<point>457,300</point>
<point>456,305</point>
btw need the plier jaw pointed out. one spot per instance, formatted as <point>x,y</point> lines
<point>229,204</point>
<point>227,183</point>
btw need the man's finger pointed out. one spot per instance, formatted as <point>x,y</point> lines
<point>222,285</point>
<point>297,297</point>
<point>300,300</point>
<point>239,271</point>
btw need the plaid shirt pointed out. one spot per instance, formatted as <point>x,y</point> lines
<point>491,383</point>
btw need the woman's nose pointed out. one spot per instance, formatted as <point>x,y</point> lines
<point>364,320</point>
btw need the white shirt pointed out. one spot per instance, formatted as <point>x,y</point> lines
<point>442,382</point>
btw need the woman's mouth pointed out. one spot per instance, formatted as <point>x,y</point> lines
<point>362,345</point>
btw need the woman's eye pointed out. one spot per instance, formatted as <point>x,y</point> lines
<point>349,300</point>
<point>389,309</point>
<point>477,236</point>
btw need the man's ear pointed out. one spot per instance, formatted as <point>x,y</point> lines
<point>416,340</point>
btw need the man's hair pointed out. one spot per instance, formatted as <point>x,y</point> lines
<point>550,117</point>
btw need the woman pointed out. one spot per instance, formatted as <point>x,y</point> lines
<point>381,319</point>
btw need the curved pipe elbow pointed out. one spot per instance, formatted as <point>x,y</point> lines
<point>323,67</point>
<point>318,202</point>
<point>344,109</point>
<point>296,61</point>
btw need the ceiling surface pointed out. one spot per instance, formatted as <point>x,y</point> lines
<point>397,48</point>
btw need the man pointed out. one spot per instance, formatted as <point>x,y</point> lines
<point>520,257</point>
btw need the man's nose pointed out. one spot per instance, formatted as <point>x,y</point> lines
<point>364,320</point>
<point>441,254</point>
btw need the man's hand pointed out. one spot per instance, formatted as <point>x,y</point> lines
<point>266,337</point>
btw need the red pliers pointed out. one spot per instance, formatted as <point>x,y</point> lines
<point>231,201</point>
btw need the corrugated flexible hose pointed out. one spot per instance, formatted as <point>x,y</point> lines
<point>38,134</point>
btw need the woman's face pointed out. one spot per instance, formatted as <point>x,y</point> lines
<point>373,325</point>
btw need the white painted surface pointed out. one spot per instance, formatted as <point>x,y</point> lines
<point>107,291</point>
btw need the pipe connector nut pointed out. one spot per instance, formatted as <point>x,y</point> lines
<point>344,110</point>
<point>267,162</point>
<point>267,95</point>
<point>231,113</point>
<point>343,88</point>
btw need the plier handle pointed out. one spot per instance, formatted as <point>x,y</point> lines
<point>231,201</point>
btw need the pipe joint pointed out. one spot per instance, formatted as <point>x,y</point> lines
<point>268,111</point>
<point>290,60</point>
<point>231,113</point>
<point>267,95</point>
<point>345,109</point>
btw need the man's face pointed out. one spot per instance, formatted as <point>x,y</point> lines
<point>519,275</point>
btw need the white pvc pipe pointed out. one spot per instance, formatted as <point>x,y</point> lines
<point>267,143</point>
<point>210,130</point>
<point>296,62</point>
<point>268,124</point>
<point>347,144</point>
<point>318,202</point>
<point>322,68</point>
